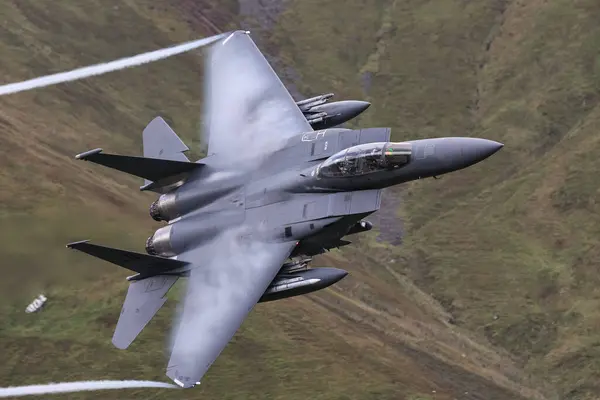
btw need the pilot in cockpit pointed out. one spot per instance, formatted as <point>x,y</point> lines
<point>366,158</point>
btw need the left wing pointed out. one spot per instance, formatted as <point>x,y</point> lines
<point>221,291</point>
<point>248,111</point>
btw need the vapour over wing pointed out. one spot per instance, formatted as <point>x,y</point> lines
<point>232,274</point>
<point>248,112</point>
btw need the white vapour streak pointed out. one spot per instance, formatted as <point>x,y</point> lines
<point>103,68</point>
<point>66,387</point>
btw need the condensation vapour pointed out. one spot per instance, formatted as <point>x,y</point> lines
<point>66,387</point>
<point>99,69</point>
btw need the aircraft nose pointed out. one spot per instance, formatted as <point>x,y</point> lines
<point>475,150</point>
<point>438,156</point>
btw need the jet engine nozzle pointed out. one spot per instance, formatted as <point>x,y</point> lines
<point>159,244</point>
<point>189,198</point>
<point>163,209</point>
<point>155,212</point>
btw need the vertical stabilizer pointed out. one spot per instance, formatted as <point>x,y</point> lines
<point>160,141</point>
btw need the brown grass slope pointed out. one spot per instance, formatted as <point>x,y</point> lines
<point>426,69</point>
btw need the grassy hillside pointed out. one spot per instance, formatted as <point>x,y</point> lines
<point>508,247</point>
<point>512,237</point>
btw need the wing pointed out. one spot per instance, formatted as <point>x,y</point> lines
<point>248,111</point>
<point>144,299</point>
<point>221,292</point>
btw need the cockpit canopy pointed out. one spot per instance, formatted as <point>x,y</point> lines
<point>366,159</point>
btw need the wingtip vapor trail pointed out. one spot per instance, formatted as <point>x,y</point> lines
<point>102,68</point>
<point>66,387</point>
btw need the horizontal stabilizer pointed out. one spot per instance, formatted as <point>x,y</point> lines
<point>144,264</point>
<point>144,298</point>
<point>152,169</point>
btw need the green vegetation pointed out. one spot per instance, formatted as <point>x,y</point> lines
<point>517,236</point>
<point>507,249</point>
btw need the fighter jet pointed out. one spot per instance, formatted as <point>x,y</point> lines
<point>243,223</point>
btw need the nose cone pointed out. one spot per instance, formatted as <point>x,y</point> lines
<point>454,153</point>
<point>475,150</point>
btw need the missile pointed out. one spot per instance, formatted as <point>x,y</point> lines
<point>183,234</point>
<point>189,198</point>
<point>306,104</point>
<point>289,285</point>
<point>323,116</point>
<point>294,266</point>
<point>317,117</point>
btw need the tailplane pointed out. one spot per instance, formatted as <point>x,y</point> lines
<point>163,167</point>
<point>144,264</point>
<point>157,172</point>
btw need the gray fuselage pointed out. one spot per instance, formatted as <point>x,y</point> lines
<point>314,190</point>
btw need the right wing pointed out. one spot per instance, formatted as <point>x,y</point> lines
<point>221,292</point>
<point>248,111</point>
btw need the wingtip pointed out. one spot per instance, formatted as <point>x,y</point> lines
<point>229,35</point>
<point>181,381</point>
<point>74,245</point>
<point>185,385</point>
<point>120,344</point>
<point>86,154</point>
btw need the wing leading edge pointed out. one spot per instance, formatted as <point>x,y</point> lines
<point>219,296</point>
<point>248,111</point>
